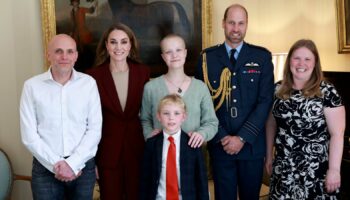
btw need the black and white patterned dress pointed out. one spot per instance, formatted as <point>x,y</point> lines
<point>302,145</point>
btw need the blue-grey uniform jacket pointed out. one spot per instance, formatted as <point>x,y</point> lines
<point>252,84</point>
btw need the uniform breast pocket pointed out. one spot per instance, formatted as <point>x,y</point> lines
<point>250,87</point>
<point>251,81</point>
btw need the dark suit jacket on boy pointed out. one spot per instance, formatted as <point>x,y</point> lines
<point>193,176</point>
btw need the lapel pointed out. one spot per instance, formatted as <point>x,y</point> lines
<point>183,153</point>
<point>159,152</point>
<point>132,87</point>
<point>223,58</point>
<point>242,57</point>
<point>108,85</point>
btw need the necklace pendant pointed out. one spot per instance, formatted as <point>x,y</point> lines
<point>179,90</point>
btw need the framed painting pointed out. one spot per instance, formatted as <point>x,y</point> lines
<point>151,20</point>
<point>343,25</point>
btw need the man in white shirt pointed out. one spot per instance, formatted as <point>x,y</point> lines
<point>61,121</point>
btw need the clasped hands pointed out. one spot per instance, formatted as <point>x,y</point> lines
<point>232,144</point>
<point>64,172</point>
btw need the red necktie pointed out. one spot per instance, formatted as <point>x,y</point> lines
<point>172,187</point>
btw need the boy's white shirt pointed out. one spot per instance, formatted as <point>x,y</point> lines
<point>161,192</point>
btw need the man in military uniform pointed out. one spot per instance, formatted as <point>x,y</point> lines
<point>242,87</point>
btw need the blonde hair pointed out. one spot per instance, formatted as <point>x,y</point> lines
<point>312,87</point>
<point>171,99</point>
<point>172,35</point>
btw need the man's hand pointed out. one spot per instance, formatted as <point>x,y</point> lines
<point>232,144</point>
<point>97,174</point>
<point>268,165</point>
<point>196,139</point>
<point>64,172</point>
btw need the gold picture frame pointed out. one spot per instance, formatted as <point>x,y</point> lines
<point>343,25</point>
<point>49,22</point>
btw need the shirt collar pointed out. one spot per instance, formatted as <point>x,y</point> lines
<point>176,136</point>
<point>238,49</point>
<point>48,75</point>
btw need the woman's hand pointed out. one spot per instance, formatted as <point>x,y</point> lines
<point>196,139</point>
<point>332,180</point>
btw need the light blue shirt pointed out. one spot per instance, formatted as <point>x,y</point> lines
<point>238,50</point>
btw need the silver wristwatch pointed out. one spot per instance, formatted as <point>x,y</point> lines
<point>241,139</point>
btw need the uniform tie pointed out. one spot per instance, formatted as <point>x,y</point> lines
<point>232,57</point>
<point>172,187</point>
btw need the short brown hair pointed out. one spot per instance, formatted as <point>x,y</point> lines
<point>235,5</point>
<point>171,99</point>
<point>312,87</point>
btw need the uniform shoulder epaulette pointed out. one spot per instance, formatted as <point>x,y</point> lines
<point>258,47</point>
<point>210,49</point>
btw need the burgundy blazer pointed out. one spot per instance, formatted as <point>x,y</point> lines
<point>121,131</point>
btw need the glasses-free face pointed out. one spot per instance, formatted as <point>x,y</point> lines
<point>302,64</point>
<point>171,116</point>
<point>235,26</point>
<point>118,45</point>
<point>62,54</point>
<point>174,52</point>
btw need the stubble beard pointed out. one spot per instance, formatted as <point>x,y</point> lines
<point>234,40</point>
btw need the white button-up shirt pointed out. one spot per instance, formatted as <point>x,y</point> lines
<point>61,120</point>
<point>161,192</point>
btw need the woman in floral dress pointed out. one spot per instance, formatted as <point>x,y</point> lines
<point>306,127</point>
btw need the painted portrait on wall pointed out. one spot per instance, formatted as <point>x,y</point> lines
<point>151,20</point>
<point>343,25</point>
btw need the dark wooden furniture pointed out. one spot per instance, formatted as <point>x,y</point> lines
<point>341,81</point>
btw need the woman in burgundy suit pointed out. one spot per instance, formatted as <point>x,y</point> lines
<point>120,79</point>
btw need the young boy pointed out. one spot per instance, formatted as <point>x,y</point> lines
<point>171,168</point>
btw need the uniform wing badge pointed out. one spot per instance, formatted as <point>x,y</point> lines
<point>251,64</point>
